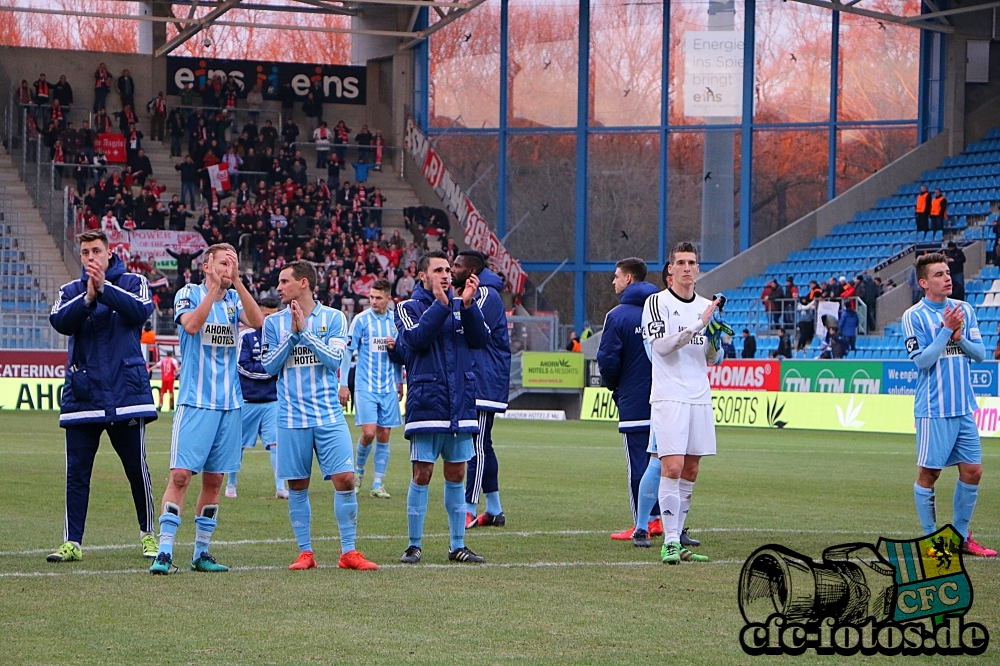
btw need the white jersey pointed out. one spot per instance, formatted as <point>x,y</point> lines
<point>680,358</point>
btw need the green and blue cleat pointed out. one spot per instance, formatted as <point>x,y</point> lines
<point>674,553</point>
<point>162,565</point>
<point>207,563</point>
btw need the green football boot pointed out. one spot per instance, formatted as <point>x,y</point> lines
<point>149,547</point>
<point>162,565</point>
<point>68,552</point>
<point>688,556</point>
<point>207,563</point>
<point>670,553</point>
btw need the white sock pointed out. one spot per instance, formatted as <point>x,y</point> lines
<point>670,508</point>
<point>686,490</point>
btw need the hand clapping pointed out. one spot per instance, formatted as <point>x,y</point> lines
<point>469,290</point>
<point>298,317</point>
<point>953,319</point>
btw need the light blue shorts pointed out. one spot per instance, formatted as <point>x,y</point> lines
<point>260,418</point>
<point>651,448</point>
<point>428,447</point>
<point>945,442</point>
<point>206,440</point>
<point>332,444</point>
<point>382,409</point>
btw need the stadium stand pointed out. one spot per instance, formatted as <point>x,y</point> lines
<point>881,236</point>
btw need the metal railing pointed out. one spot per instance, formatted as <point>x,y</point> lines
<point>29,331</point>
<point>787,314</point>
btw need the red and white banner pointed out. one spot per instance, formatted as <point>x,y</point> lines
<point>32,364</point>
<point>146,243</point>
<point>113,146</point>
<point>748,375</point>
<point>477,233</point>
<point>219,175</point>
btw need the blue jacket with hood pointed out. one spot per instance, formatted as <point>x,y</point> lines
<point>622,359</point>
<point>437,343</point>
<point>106,375</point>
<point>492,361</point>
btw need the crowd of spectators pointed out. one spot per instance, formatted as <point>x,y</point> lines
<point>274,212</point>
<point>789,309</point>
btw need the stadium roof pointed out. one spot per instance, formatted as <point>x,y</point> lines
<point>934,19</point>
<point>192,16</point>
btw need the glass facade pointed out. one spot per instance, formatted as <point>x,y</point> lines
<point>591,130</point>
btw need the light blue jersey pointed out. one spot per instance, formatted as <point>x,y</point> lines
<point>375,373</point>
<point>209,377</point>
<point>944,385</point>
<point>306,365</point>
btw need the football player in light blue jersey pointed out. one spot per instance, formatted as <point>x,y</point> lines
<point>942,337</point>
<point>304,345</point>
<point>378,384</point>
<point>206,436</point>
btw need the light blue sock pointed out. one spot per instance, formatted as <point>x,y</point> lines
<point>454,504</point>
<point>416,511</point>
<point>232,478</point>
<point>300,512</point>
<point>345,505</point>
<point>361,459</point>
<point>471,508</point>
<point>964,504</point>
<point>493,503</point>
<point>649,489</point>
<point>273,453</point>
<point>202,535</point>
<point>924,498</point>
<point>381,462</point>
<point>169,523</point>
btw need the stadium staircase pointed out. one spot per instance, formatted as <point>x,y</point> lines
<point>885,236</point>
<point>31,268</point>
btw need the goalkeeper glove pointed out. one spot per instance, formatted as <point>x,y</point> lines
<point>715,329</point>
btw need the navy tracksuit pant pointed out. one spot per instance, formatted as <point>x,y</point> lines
<point>483,470</point>
<point>129,441</point>
<point>636,444</point>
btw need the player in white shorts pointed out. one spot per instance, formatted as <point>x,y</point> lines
<point>681,418</point>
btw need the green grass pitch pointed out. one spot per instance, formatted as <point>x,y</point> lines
<point>556,589</point>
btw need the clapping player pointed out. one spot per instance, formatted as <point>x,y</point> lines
<point>207,431</point>
<point>304,346</point>
<point>681,418</point>
<point>437,329</point>
<point>107,385</point>
<point>942,339</point>
<point>378,384</point>
<point>492,387</point>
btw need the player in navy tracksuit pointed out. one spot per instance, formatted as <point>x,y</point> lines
<point>438,329</point>
<point>107,385</point>
<point>627,372</point>
<point>492,388</point>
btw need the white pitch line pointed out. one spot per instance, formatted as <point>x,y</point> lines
<point>370,537</point>
<point>494,533</point>
<point>411,567</point>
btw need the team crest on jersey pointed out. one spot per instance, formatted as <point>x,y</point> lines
<point>231,312</point>
<point>322,330</point>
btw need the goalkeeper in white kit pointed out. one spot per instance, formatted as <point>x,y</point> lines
<point>682,335</point>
